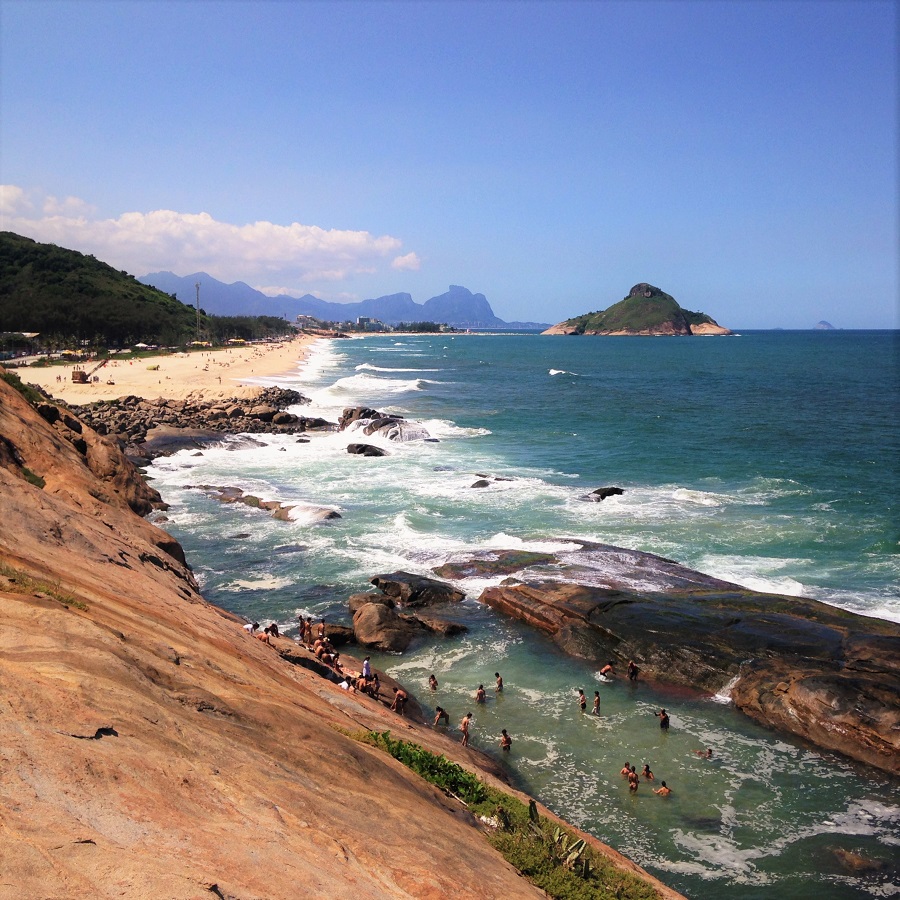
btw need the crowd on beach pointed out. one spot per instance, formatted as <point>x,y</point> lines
<point>366,681</point>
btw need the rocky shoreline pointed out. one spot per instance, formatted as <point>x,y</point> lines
<point>153,748</point>
<point>795,665</point>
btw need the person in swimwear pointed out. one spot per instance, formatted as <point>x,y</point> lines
<point>582,700</point>
<point>505,741</point>
<point>441,714</point>
<point>480,696</point>
<point>499,687</point>
<point>663,790</point>
<point>595,711</point>
<point>464,728</point>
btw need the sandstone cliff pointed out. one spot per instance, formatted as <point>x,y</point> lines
<point>150,748</point>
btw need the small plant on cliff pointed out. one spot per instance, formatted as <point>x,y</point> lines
<point>20,582</point>
<point>26,390</point>
<point>31,478</point>
<point>547,854</point>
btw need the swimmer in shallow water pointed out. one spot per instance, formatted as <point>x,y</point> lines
<point>704,754</point>
<point>595,711</point>
<point>663,791</point>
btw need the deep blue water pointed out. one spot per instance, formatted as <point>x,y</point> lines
<point>770,459</point>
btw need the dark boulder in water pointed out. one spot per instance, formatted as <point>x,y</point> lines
<point>416,590</point>
<point>365,450</point>
<point>603,493</point>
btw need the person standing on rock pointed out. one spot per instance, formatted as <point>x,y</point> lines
<point>400,698</point>
<point>367,668</point>
<point>582,700</point>
<point>663,720</point>
<point>464,728</point>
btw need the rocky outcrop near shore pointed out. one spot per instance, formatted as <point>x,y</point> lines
<point>151,748</point>
<point>802,667</point>
<point>156,423</point>
<point>378,624</point>
<point>391,427</point>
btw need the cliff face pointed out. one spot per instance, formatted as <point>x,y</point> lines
<point>150,748</point>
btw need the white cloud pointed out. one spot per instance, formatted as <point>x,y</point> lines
<point>184,243</point>
<point>12,201</point>
<point>409,263</point>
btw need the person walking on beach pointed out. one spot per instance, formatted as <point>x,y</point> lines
<point>499,687</point>
<point>595,710</point>
<point>464,728</point>
<point>663,720</point>
<point>582,700</point>
<point>505,741</point>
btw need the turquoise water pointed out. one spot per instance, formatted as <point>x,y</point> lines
<point>769,459</point>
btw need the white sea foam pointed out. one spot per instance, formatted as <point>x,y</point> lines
<point>757,573</point>
<point>371,368</point>
<point>267,583</point>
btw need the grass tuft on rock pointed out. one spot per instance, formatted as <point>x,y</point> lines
<point>548,855</point>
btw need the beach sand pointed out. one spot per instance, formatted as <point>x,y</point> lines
<point>213,373</point>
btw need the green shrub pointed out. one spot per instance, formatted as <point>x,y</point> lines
<point>549,856</point>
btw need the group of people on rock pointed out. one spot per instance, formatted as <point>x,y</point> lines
<point>266,635</point>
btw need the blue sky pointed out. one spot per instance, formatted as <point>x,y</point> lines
<point>742,156</point>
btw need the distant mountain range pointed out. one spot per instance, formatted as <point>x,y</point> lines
<point>459,307</point>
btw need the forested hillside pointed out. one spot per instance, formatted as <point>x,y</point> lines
<point>67,296</point>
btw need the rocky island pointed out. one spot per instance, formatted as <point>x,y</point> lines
<point>646,310</point>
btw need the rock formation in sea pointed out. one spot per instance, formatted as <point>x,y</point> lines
<point>803,667</point>
<point>646,310</point>
<point>152,748</point>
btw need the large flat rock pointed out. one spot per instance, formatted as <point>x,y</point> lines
<point>797,665</point>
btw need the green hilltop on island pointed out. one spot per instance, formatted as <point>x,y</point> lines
<point>646,310</point>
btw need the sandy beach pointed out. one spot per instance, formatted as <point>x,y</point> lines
<point>214,373</point>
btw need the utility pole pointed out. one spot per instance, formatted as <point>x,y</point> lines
<point>197,286</point>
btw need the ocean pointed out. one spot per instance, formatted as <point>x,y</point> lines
<point>768,458</point>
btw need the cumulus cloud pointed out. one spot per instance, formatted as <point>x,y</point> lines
<point>408,263</point>
<point>184,243</point>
